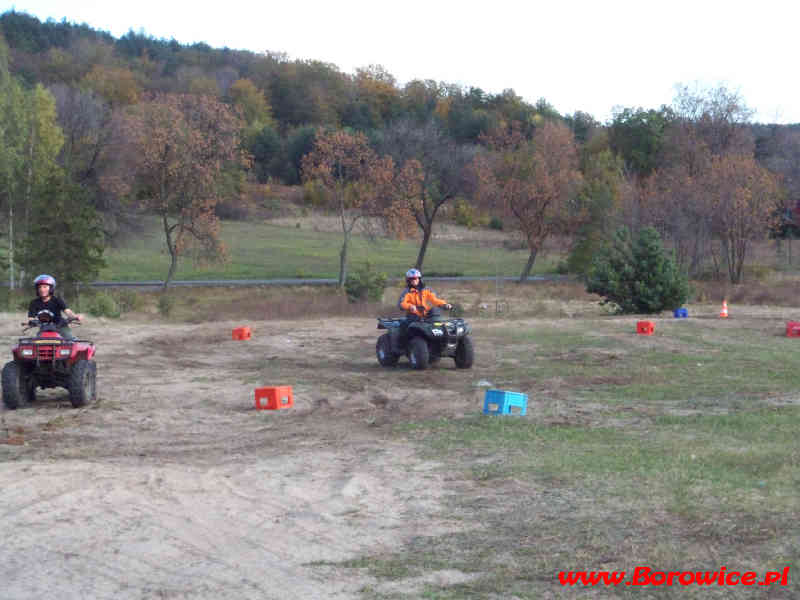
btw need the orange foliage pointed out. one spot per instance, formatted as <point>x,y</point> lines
<point>743,197</point>
<point>178,146</point>
<point>532,180</point>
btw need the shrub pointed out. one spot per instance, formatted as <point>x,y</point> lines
<point>314,194</point>
<point>166,303</point>
<point>496,223</point>
<point>103,305</point>
<point>465,214</point>
<point>637,275</point>
<point>128,300</point>
<point>365,284</point>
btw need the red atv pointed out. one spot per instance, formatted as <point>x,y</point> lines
<point>49,360</point>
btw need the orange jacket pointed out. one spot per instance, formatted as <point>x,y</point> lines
<point>413,297</point>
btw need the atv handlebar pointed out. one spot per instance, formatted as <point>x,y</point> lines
<point>37,323</point>
<point>424,313</point>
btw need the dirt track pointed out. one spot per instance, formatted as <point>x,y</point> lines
<point>173,486</point>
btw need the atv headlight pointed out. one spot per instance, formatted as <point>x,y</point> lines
<point>459,330</point>
<point>437,332</point>
<point>27,352</point>
<point>64,352</point>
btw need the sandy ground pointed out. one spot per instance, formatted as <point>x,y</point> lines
<point>172,485</point>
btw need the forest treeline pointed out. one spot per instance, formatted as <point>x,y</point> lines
<point>94,128</point>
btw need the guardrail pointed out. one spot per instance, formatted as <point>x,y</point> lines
<point>296,281</point>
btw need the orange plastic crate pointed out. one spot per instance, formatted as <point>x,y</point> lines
<point>276,397</point>
<point>241,333</point>
<point>645,327</point>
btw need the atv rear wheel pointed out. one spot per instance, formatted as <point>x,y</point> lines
<point>465,353</point>
<point>82,383</point>
<point>383,348</point>
<point>14,392</point>
<point>418,353</point>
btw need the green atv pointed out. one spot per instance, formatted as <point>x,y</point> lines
<point>425,340</point>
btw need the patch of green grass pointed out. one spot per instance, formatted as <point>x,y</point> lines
<point>263,251</point>
<point>684,493</point>
<point>696,367</point>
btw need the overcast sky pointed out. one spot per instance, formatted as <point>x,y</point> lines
<point>587,55</point>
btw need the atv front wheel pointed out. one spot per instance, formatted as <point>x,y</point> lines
<point>383,348</point>
<point>29,389</point>
<point>82,383</point>
<point>465,353</point>
<point>418,353</point>
<point>14,392</point>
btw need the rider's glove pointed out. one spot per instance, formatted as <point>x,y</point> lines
<point>31,322</point>
<point>448,307</point>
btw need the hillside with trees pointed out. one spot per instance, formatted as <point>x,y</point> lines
<point>186,132</point>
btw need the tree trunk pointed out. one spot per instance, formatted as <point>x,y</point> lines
<point>343,260</point>
<point>423,247</point>
<point>29,182</point>
<point>173,254</point>
<point>10,243</point>
<point>528,266</point>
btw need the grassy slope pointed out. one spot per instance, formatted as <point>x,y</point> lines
<point>262,251</point>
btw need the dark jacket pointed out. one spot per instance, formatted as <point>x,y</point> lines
<point>55,305</point>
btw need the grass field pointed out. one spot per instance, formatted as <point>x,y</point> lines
<point>262,251</point>
<point>676,452</point>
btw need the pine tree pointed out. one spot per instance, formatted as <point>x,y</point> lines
<point>637,275</point>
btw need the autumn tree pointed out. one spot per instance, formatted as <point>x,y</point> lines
<point>432,171</point>
<point>177,148</point>
<point>706,127</point>
<point>534,181</point>
<point>252,103</point>
<point>743,197</point>
<point>117,85</point>
<point>377,95</point>
<point>420,99</point>
<point>354,178</point>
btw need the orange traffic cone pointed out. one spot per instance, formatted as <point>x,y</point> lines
<point>723,314</point>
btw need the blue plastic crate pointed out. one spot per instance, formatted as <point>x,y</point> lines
<point>503,401</point>
<point>681,313</point>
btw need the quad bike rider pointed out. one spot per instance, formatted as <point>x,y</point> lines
<point>45,286</point>
<point>423,335</point>
<point>53,358</point>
